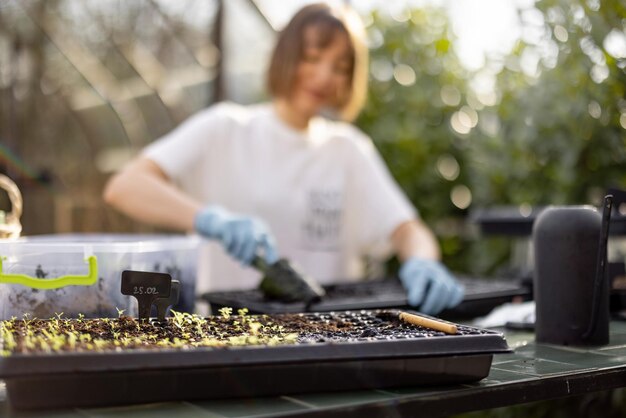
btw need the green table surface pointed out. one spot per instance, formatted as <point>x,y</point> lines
<point>531,372</point>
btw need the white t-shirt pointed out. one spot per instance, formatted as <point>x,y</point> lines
<point>325,193</point>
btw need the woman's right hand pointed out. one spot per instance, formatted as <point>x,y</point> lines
<point>241,236</point>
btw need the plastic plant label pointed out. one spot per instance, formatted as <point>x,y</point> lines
<point>162,304</point>
<point>146,287</point>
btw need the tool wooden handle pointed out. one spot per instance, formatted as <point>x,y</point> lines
<point>428,323</point>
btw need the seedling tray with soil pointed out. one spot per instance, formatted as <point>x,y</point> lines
<point>481,296</point>
<point>62,362</point>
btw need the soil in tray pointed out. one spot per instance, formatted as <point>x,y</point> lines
<point>186,331</point>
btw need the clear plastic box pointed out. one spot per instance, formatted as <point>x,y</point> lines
<point>48,257</point>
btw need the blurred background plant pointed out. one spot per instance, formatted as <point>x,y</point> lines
<point>418,89</point>
<point>543,124</point>
<point>85,85</point>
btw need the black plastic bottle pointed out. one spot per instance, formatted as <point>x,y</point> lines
<point>570,284</point>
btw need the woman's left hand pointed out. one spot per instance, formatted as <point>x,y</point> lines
<point>430,286</point>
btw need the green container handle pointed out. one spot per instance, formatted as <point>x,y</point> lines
<point>53,283</point>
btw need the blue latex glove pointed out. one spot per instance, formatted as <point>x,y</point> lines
<point>241,236</point>
<point>419,274</point>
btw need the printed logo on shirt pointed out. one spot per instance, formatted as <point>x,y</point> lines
<point>321,227</point>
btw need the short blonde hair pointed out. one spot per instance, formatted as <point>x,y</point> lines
<point>290,46</point>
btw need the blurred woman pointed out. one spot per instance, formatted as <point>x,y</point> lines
<point>291,177</point>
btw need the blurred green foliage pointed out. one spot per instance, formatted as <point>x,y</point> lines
<point>412,63</point>
<point>560,140</point>
<point>551,131</point>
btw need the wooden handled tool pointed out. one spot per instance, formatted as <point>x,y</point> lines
<point>428,323</point>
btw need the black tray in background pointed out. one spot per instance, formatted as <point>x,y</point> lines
<point>515,222</point>
<point>410,356</point>
<point>481,296</point>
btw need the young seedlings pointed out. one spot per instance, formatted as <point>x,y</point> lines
<point>225,312</point>
<point>181,331</point>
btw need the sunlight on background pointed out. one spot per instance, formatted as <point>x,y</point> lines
<point>485,27</point>
<point>482,26</point>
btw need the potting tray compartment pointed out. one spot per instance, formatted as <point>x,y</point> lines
<point>481,295</point>
<point>326,352</point>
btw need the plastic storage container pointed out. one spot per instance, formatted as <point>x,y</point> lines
<point>49,257</point>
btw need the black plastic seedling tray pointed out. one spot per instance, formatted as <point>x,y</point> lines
<point>510,221</point>
<point>374,350</point>
<point>481,296</point>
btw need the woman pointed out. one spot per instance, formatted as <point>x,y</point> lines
<point>278,178</point>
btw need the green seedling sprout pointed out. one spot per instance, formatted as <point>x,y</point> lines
<point>71,340</point>
<point>242,314</point>
<point>225,312</point>
<point>255,327</point>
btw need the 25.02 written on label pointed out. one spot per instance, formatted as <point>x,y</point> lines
<point>145,290</point>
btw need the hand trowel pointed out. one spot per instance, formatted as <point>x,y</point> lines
<point>285,282</point>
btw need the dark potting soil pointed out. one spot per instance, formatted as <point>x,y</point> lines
<point>186,331</point>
